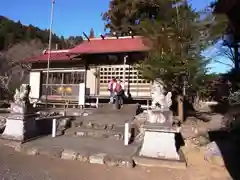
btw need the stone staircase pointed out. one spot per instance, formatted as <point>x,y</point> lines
<point>97,136</point>
<point>102,123</point>
<point>100,132</point>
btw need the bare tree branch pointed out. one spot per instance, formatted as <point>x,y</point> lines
<point>224,63</point>
<point>227,52</point>
<point>12,68</point>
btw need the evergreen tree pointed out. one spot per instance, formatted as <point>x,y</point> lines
<point>28,34</point>
<point>72,41</point>
<point>124,15</point>
<point>14,32</point>
<point>177,45</point>
<point>62,43</point>
<point>216,24</point>
<point>91,34</point>
<point>174,32</point>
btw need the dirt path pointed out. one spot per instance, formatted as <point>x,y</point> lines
<point>14,165</point>
<point>200,169</point>
<point>22,167</point>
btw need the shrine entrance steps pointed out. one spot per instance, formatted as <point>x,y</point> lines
<point>95,136</point>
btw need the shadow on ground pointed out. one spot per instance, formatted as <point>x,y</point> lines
<point>228,144</point>
<point>179,141</point>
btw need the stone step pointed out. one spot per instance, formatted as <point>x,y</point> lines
<point>103,151</point>
<point>91,125</point>
<point>159,163</point>
<point>94,124</point>
<point>117,134</point>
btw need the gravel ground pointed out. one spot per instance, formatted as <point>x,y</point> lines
<point>17,166</point>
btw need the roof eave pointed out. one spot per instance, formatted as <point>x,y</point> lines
<point>111,52</point>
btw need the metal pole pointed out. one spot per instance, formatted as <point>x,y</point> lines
<point>54,127</point>
<point>126,134</point>
<point>124,71</point>
<point>49,49</point>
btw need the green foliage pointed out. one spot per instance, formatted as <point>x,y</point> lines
<point>204,85</point>
<point>233,76</point>
<point>14,32</point>
<point>177,42</point>
<point>175,33</point>
<point>125,14</point>
<point>217,24</point>
<point>72,41</point>
<point>91,33</point>
<point>18,42</point>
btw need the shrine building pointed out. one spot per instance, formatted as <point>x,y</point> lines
<point>87,69</point>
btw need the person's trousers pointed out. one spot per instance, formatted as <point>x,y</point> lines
<point>111,96</point>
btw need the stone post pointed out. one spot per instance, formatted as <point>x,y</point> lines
<point>20,125</point>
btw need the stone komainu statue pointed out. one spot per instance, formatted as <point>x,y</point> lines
<point>22,95</point>
<point>158,97</point>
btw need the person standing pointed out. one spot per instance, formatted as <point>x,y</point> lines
<point>111,87</point>
<point>118,89</point>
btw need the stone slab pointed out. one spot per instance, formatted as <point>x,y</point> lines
<point>159,162</point>
<point>69,154</point>
<point>97,133</point>
<point>119,161</point>
<point>159,145</point>
<point>97,158</point>
<point>14,130</point>
<point>103,118</point>
<point>20,127</point>
<point>83,156</point>
<point>161,128</point>
<point>49,151</point>
<point>91,150</point>
<point>152,162</point>
<point>33,151</point>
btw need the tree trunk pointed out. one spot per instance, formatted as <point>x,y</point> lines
<point>180,100</point>
<point>236,57</point>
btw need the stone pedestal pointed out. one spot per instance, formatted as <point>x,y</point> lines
<point>159,135</point>
<point>20,125</point>
<point>159,145</point>
<point>161,116</point>
<point>159,142</point>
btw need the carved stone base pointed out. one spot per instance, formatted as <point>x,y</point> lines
<point>20,127</point>
<point>160,116</point>
<point>160,145</point>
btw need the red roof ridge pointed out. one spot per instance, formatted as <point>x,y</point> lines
<point>114,38</point>
<point>56,51</point>
<point>110,45</point>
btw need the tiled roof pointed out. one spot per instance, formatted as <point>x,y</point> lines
<point>95,46</point>
<point>110,45</point>
<point>58,55</point>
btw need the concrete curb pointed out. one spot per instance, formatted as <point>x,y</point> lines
<point>95,133</point>
<point>69,154</point>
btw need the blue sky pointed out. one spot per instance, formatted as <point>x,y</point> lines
<point>72,17</point>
